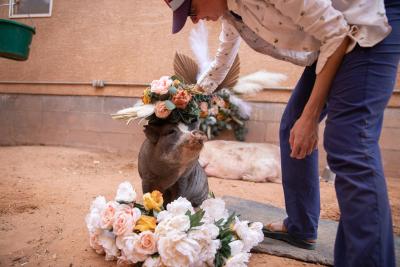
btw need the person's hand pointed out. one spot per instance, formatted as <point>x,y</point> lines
<point>303,137</point>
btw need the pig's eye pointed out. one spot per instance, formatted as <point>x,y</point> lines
<point>170,132</point>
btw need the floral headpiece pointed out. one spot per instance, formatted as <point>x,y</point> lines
<point>169,99</point>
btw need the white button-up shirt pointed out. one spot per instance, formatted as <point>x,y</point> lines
<point>298,31</point>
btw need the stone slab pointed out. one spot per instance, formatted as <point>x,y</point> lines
<point>323,254</point>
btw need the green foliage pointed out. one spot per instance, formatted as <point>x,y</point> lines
<point>195,219</point>
<point>226,235</point>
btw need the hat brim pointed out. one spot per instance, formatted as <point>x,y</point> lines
<point>180,16</point>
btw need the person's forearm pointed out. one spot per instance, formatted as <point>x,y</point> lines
<point>323,83</point>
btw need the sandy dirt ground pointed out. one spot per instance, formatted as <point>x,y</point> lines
<point>45,193</point>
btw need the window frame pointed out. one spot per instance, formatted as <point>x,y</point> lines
<point>39,15</point>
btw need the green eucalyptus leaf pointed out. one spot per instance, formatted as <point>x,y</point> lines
<point>170,105</point>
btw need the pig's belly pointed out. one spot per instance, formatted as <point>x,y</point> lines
<point>236,160</point>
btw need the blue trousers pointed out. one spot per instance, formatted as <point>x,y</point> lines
<point>355,106</point>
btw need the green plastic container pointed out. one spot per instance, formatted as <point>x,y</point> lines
<point>15,39</point>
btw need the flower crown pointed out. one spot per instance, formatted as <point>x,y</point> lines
<point>169,99</point>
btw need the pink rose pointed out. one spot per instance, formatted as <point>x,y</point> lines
<point>161,110</point>
<point>122,223</point>
<point>181,98</point>
<point>147,243</point>
<point>107,215</point>
<point>213,110</point>
<point>95,244</point>
<point>125,219</point>
<point>161,86</point>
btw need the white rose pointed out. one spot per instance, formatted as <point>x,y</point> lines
<point>152,262</point>
<point>177,250</point>
<point>93,218</point>
<point>180,206</point>
<point>251,236</point>
<point>179,223</point>
<point>125,193</point>
<point>127,245</point>
<point>214,209</point>
<point>107,240</point>
<point>238,260</point>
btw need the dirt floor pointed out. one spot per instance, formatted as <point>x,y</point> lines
<point>45,193</point>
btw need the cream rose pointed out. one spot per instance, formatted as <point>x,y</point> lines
<point>153,262</point>
<point>108,214</point>
<point>180,206</point>
<point>238,260</point>
<point>125,193</point>
<point>161,110</point>
<point>126,244</point>
<point>107,240</point>
<point>161,86</point>
<point>177,250</point>
<point>146,243</point>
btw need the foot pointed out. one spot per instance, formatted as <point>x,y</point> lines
<point>278,230</point>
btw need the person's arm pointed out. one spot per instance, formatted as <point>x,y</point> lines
<point>224,58</point>
<point>304,134</point>
<point>319,19</point>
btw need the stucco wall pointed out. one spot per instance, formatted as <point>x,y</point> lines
<point>127,40</point>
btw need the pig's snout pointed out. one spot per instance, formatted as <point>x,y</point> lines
<point>199,136</point>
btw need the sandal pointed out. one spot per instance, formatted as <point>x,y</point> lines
<point>285,236</point>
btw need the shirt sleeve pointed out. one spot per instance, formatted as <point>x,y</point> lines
<point>224,58</point>
<point>319,19</point>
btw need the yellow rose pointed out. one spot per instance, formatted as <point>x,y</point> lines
<point>146,96</point>
<point>176,83</point>
<point>153,200</point>
<point>146,223</point>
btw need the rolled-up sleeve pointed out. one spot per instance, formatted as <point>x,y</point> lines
<point>319,19</point>
<point>224,58</point>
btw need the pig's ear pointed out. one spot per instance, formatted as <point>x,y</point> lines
<point>152,133</point>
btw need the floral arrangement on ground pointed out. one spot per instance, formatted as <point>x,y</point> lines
<point>169,98</point>
<point>151,236</point>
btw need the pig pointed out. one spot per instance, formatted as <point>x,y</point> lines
<point>168,162</point>
<point>256,162</point>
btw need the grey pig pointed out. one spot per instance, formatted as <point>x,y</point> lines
<point>168,162</point>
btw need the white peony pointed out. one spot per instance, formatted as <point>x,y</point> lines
<point>125,193</point>
<point>179,223</point>
<point>206,235</point>
<point>107,240</point>
<point>236,247</point>
<point>180,206</point>
<point>238,260</point>
<point>251,235</point>
<point>93,218</point>
<point>178,250</point>
<point>214,209</point>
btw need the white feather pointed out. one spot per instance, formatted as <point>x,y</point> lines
<point>199,44</point>
<point>258,81</point>
<point>244,107</point>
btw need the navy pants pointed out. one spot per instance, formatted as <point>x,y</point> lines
<point>356,103</point>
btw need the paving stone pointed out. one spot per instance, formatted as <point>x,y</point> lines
<point>323,254</point>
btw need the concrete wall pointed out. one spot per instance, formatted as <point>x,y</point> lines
<point>84,121</point>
